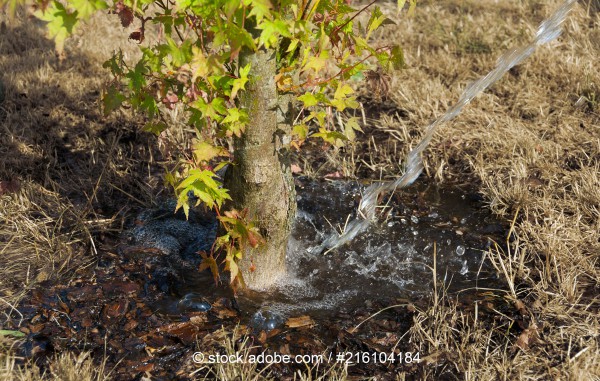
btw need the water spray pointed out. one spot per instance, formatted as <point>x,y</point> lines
<point>548,31</point>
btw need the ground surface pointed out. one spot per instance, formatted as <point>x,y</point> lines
<point>71,180</point>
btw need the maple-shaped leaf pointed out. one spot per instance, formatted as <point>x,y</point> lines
<point>316,63</point>
<point>203,185</point>
<point>397,58</point>
<point>125,14</point>
<point>271,31</point>
<point>240,82</point>
<point>61,23</point>
<point>331,137</point>
<point>137,35</point>
<point>86,8</point>
<point>260,9</point>
<point>112,99</point>
<point>232,267</point>
<point>204,151</point>
<point>208,262</point>
<point>308,99</point>
<point>155,128</point>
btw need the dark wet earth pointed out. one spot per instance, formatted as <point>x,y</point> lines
<point>149,313</point>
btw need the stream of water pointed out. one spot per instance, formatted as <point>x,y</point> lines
<point>549,29</point>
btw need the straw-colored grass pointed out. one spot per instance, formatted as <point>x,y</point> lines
<point>530,145</point>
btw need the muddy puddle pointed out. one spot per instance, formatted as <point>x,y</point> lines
<point>392,260</point>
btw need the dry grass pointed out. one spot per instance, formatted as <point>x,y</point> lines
<point>531,146</point>
<point>235,344</point>
<point>64,367</point>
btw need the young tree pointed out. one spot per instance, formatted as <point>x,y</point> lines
<point>260,76</point>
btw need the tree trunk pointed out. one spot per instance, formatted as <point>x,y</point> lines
<point>260,179</point>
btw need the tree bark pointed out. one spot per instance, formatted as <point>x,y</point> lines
<point>261,179</point>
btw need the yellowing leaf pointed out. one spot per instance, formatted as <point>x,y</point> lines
<point>240,83</point>
<point>61,23</point>
<point>86,8</point>
<point>308,99</point>
<point>204,151</point>
<point>316,63</point>
<point>208,262</point>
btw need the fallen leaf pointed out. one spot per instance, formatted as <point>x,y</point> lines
<point>433,358</point>
<point>296,168</point>
<point>527,337</point>
<point>334,175</point>
<point>301,321</point>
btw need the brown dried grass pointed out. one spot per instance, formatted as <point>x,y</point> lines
<point>530,145</point>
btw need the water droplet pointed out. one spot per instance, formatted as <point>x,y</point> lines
<point>433,215</point>
<point>193,302</point>
<point>414,219</point>
<point>465,269</point>
<point>266,321</point>
<point>463,220</point>
<point>391,223</point>
<point>403,220</point>
<point>415,232</point>
<point>460,250</point>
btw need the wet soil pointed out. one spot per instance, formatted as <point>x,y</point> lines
<point>148,316</point>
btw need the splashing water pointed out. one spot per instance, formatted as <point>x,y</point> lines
<point>548,30</point>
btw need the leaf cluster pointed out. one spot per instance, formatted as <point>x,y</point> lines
<point>194,68</point>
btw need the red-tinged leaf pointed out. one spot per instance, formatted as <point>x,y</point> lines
<point>125,14</point>
<point>137,35</point>
<point>254,239</point>
<point>170,100</point>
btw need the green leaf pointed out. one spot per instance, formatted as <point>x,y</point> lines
<point>214,110</point>
<point>5,332</point>
<point>239,38</point>
<point>240,83</point>
<point>61,23</point>
<point>112,99</point>
<point>316,63</point>
<point>300,130</point>
<point>233,269</point>
<point>260,9</point>
<point>155,128</point>
<point>203,185</point>
<point>350,126</point>
<point>115,64</point>
<point>86,8</point>
<point>271,31</point>
<point>308,99</point>
<point>137,78</point>
<point>341,101</point>
<point>377,18</point>
<point>332,137</point>
<point>397,58</point>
